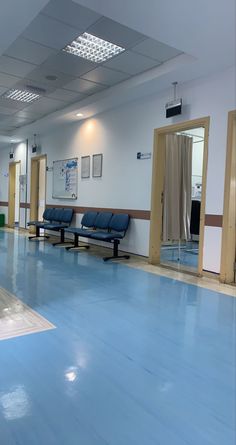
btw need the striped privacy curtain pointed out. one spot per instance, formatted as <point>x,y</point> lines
<point>177,188</point>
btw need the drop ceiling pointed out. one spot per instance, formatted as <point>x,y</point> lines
<point>164,28</point>
<point>36,57</point>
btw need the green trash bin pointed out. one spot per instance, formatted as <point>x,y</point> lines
<point>2,220</point>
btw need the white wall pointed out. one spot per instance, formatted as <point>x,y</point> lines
<point>197,165</point>
<point>198,149</point>
<point>120,133</point>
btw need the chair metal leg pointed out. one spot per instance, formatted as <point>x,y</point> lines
<point>62,239</point>
<point>37,235</point>
<point>76,244</point>
<point>116,255</point>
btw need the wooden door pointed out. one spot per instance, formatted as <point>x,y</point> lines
<point>158,186</point>
<point>228,252</point>
<point>42,184</point>
<point>12,194</point>
<point>34,192</point>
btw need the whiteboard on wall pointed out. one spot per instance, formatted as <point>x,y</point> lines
<point>65,179</point>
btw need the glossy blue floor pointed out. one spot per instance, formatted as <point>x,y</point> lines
<point>135,359</point>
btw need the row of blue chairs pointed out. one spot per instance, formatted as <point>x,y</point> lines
<point>102,226</point>
<point>56,219</point>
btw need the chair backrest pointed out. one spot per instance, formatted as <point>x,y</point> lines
<point>119,222</point>
<point>58,215</point>
<point>102,220</point>
<point>47,214</point>
<point>67,215</point>
<point>88,219</point>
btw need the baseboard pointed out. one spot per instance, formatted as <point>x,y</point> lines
<point>209,274</point>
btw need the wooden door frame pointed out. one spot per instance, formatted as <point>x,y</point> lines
<point>33,188</point>
<point>229,213</point>
<point>158,186</point>
<point>11,203</point>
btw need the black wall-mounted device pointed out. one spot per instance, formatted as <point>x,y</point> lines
<point>174,108</point>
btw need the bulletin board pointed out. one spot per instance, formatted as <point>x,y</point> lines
<point>65,179</point>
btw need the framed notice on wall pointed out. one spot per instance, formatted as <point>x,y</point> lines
<point>85,167</point>
<point>65,179</point>
<point>97,165</point>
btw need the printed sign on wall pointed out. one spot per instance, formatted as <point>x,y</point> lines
<point>65,179</point>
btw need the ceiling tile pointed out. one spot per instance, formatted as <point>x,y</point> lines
<point>25,114</point>
<point>156,50</point>
<point>84,86</point>
<point>11,104</point>
<point>115,32</point>
<point>71,13</point>
<point>15,121</point>
<point>131,63</point>
<point>29,51</point>
<point>66,95</point>
<point>69,64</point>
<point>2,90</point>
<point>6,80</point>
<point>50,32</point>
<point>45,105</point>
<point>3,117</point>
<point>25,123</point>
<point>15,67</point>
<point>105,76</point>
<point>40,73</point>
<point>6,111</point>
<point>7,130</point>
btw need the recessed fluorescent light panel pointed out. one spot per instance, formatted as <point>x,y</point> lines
<point>21,95</point>
<point>92,48</point>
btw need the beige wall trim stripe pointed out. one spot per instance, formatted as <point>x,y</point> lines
<point>23,205</point>
<point>213,220</point>
<point>210,220</point>
<point>137,214</point>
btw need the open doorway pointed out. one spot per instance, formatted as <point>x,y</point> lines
<point>37,188</point>
<point>182,199</point>
<point>14,194</point>
<point>228,253</point>
<point>178,195</point>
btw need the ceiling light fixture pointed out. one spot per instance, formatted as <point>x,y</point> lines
<point>21,95</point>
<point>93,48</point>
